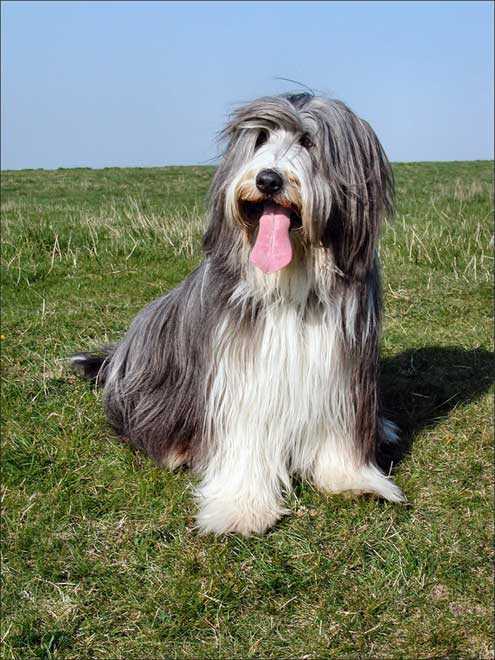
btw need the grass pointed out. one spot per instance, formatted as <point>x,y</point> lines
<point>100,558</point>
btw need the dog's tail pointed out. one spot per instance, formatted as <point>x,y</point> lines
<point>93,366</point>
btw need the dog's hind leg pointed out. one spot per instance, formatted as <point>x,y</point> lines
<point>175,459</point>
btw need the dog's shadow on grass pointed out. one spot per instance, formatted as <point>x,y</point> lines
<point>421,386</point>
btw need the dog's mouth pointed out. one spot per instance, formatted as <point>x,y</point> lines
<point>272,223</point>
<point>252,212</point>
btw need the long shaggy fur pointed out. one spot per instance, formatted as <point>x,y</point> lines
<point>249,377</point>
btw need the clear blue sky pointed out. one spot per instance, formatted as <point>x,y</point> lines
<point>101,84</point>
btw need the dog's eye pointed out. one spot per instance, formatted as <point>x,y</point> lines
<point>261,139</point>
<point>305,141</point>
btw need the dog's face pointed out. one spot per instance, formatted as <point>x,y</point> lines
<point>301,173</point>
<point>277,172</point>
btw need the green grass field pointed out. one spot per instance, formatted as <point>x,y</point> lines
<point>100,558</point>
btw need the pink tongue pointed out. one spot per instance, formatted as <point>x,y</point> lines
<point>272,250</point>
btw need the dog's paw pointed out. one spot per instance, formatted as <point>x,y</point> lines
<point>174,459</point>
<point>222,516</point>
<point>367,479</point>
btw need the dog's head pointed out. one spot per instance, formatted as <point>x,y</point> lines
<point>300,173</point>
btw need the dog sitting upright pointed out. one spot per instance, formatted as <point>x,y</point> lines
<point>263,363</point>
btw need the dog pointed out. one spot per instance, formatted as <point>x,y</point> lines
<point>263,364</point>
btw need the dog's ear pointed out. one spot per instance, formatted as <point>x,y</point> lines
<point>220,235</point>
<point>362,189</point>
<point>214,235</point>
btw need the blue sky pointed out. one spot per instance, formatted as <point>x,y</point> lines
<point>96,84</point>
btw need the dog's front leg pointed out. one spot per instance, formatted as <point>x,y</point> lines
<point>345,460</point>
<point>346,456</point>
<point>242,486</point>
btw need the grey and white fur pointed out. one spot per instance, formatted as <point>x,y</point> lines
<point>250,377</point>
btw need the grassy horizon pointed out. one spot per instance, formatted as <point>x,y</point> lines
<point>99,555</point>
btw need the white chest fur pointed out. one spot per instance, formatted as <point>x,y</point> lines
<point>279,403</point>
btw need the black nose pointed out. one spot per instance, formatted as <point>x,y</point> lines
<point>269,182</point>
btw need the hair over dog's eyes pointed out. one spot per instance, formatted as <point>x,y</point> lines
<point>306,141</point>
<point>261,139</point>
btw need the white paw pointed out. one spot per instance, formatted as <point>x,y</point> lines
<point>365,479</point>
<point>223,516</point>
